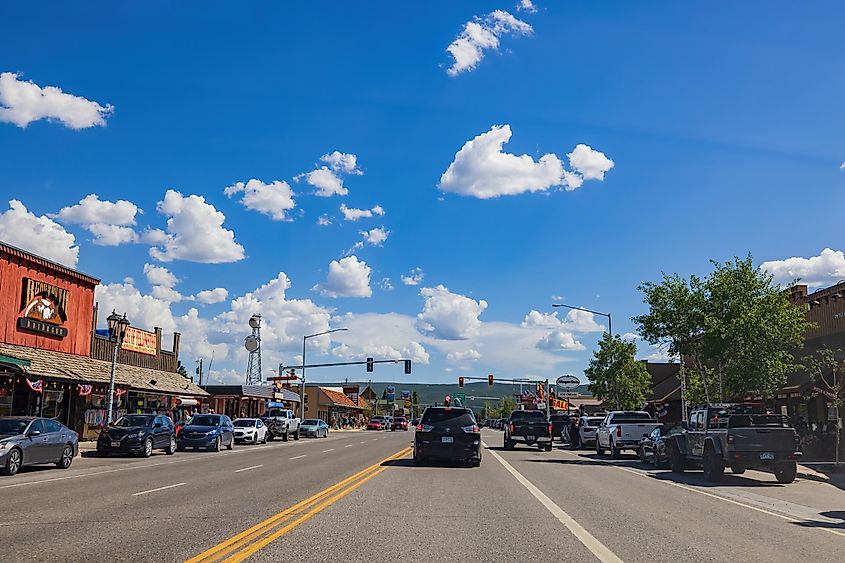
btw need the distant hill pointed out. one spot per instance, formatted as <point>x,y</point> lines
<point>429,393</point>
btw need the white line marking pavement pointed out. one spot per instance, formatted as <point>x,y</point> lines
<point>597,548</point>
<point>364,442</point>
<point>158,489</point>
<point>328,450</point>
<point>297,456</point>
<point>348,446</point>
<point>711,495</point>
<point>248,468</point>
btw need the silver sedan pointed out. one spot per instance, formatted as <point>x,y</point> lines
<point>28,440</point>
<point>314,428</point>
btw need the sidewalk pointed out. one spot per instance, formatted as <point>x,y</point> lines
<point>823,472</point>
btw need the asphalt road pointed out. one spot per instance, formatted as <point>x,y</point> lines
<point>335,499</point>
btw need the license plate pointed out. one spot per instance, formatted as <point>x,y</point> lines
<point>447,439</point>
<point>529,438</point>
<point>767,455</point>
<point>115,444</point>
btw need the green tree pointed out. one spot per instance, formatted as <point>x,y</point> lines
<point>506,406</point>
<point>180,369</point>
<point>615,375</point>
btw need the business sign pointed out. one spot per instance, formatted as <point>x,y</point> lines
<point>141,341</point>
<point>462,397</point>
<point>568,382</point>
<point>351,391</point>
<point>406,395</point>
<point>391,393</point>
<point>44,308</point>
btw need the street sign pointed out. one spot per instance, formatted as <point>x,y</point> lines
<point>391,393</point>
<point>462,397</point>
<point>406,395</point>
<point>568,382</point>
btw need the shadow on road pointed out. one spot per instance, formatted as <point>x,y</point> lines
<point>832,515</point>
<point>412,464</point>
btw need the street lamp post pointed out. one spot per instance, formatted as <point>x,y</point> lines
<point>609,320</point>
<point>117,330</point>
<point>302,386</point>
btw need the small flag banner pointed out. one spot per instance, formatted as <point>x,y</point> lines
<point>37,385</point>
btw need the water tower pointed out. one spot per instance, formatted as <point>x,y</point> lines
<point>252,343</point>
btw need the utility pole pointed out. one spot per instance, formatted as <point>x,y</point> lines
<point>199,371</point>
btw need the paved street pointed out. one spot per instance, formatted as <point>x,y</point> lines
<point>539,505</point>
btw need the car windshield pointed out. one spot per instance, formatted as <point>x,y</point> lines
<point>133,421</point>
<point>12,427</point>
<point>626,417</point>
<point>310,422</point>
<point>594,421</point>
<point>244,423</point>
<point>205,420</point>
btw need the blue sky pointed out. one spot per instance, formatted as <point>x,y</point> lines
<point>722,123</point>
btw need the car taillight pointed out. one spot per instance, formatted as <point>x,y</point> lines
<point>618,431</point>
<point>419,427</point>
<point>731,438</point>
<point>469,429</point>
<point>550,429</point>
<point>511,427</point>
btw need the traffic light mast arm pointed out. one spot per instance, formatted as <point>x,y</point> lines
<point>334,364</point>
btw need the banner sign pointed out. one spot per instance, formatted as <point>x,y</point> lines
<point>568,382</point>
<point>351,391</point>
<point>824,392</point>
<point>406,395</point>
<point>391,393</point>
<point>85,390</point>
<point>141,341</point>
<point>37,385</point>
<point>559,404</point>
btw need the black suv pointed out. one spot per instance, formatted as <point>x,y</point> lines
<point>448,434</point>
<point>138,434</point>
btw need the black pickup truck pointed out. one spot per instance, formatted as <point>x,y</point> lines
<point>735,436</point>
<point>529,427</point>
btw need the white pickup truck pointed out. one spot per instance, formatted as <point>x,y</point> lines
<point>281,423</point>
<point>623,430</point>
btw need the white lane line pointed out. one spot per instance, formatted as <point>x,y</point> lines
<point>158,489</point>
<point>348,445</point>
<point>248,468</point>
<point>711,495</point>
<point>297,456</point>
<point>597,548</point>
<point>328,450</point>
<point>364,442</point>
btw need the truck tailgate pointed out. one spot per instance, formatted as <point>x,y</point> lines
<point>528,428</point>
<point>763,439</point>
<point>637,431</point>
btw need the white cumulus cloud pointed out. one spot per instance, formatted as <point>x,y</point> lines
<point>463,356</point>
<point>480,35</point>
<point>22,102</point>
<point>210,296</point>
<point>352,214</point>
<point>110,222</point>
<point>274,199</point>
<point>194,232</point>
<point>560,340</point>
<point>373,237</point>
<point>526,6</point>
<point>448,315</point>
<point>159,275</point>
<point>348,277</point>
<point>328,178</point>
<point>414,277</point>
<point>39,235</point>
<point>827,267</point>
<point>483,170</point>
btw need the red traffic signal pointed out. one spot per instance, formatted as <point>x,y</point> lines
<point>490,380</point>
<point>460,382</point>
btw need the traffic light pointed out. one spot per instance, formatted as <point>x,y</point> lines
<point>369,364</point>
<point>490,380</point>
<point>460,382</point>
<point>407,367</point>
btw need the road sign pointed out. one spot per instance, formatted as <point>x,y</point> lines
<point>462,397</point>
<point>406,395</point>
<point>391,393</point>
<point>568,382</point>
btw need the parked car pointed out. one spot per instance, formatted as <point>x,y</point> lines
<point>560,426</point>
<point>399,423</point>
<point>250,430</point>
<point>314,428</point>
<point>210,431</point>
<point>588,428</point>
<point>448,434</point>
<point>27,440</point>
<point>739,437</point>
<point>281,423</point>
<point>623,430</point>
<point>654,447</point>
<point>376,423</point>
<point>528,427</point>
<point>138,434</point>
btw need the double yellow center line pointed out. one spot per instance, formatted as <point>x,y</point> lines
<point>241,546</point>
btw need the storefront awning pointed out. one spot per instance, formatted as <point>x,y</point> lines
<point>4,359</point>
<point>82,369</point>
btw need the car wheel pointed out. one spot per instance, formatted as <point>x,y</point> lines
<point>737,469</point>
<point>231,443</point>
<point>271,436</point>
<point>285,436</point>
<point>264,439</point>
<point>615,452</point>
<point>171,447</point>
<point>677,463</point>
<point>13,462</point>
<point>786,472</point>
<point>218,443</point>
<point>548,447</point>
<point>599,449</point>
<point>296,434</point>
<point>508,444</point>
<point>67,457</point>
<point>148,448</point>
<point>660,463</point>
<point>713,465</point>
<point>476,462</point>
<point>641,453</point>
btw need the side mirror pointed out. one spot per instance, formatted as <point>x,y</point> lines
<point>33,433</point>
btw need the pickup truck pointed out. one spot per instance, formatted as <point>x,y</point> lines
<point>281,423</point>
<point>623,430</point>
<point>529,427</point>
<point>735,436</point>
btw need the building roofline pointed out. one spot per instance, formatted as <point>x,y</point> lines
<point>41,261</point>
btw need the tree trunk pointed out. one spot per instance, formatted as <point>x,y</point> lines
<point>703,375</point>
